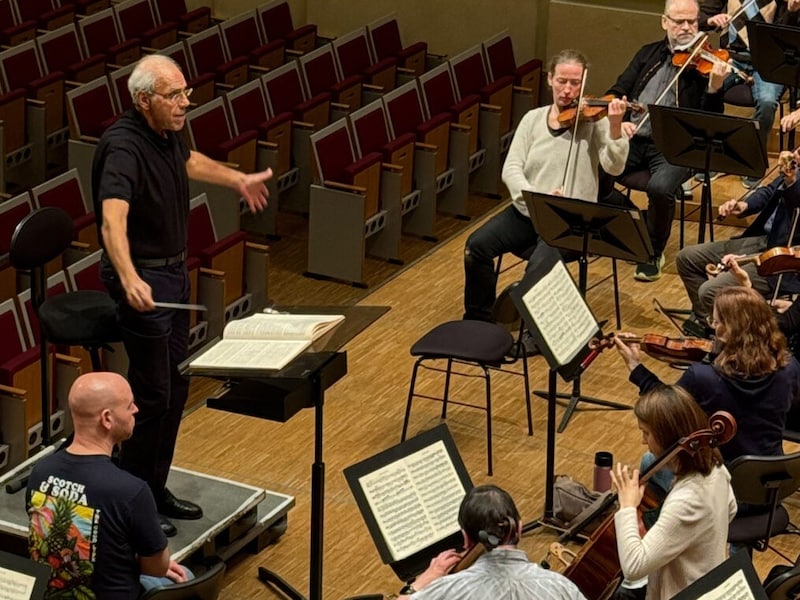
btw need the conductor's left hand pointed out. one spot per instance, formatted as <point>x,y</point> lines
<point>253,189</point>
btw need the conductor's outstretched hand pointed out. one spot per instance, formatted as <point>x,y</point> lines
<point>253,189</point>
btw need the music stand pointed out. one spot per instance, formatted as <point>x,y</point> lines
<point>775,54</point>
<point>589,228</point>
<point>707,142</point>
<point>562,325</point>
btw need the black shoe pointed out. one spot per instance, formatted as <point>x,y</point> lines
<point>167,527</point>
<point>173,507</point>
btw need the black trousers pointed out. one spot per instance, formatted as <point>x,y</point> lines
<point>156,343</point>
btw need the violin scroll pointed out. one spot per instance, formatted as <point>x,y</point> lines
<point>723,424</point>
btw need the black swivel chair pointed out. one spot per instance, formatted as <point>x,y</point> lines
<point>203,587</point>
<point>85,318</point>
<point>763,481</point>
<point>487,346</point>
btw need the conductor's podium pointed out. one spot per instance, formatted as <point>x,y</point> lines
<point>236,516</point>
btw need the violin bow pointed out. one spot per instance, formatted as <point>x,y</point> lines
<point>697,49</point>
<point>564,192</point>
<point>778,164</point>
<point>736,14</point>
<point>660,309</point>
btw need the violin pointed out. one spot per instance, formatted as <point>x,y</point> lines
<point>774,261</point>
<point>705,59</point>
<point>592,109</point>
<point>596,570</point>
<point>676,351</point>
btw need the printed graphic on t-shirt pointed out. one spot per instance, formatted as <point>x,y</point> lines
<point>63,534</point>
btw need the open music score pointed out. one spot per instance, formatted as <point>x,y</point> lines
<point>415,499</point>
<point>264,341</point>
<point>409,496</point>
<point>561,314</point>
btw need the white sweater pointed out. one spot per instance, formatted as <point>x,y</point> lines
<point>688,539</point>
<point>536,158</point>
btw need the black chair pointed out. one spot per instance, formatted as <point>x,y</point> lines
<point>791,430</point>
<point>85,318</point>
<point>783,583</point>
<point>761,483</point>
<point>487,346</point>
<point>203,587</point>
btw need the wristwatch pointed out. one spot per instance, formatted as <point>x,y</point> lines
<point>408,589</point>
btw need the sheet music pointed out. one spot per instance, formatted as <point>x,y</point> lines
<point>415,500</point>
<point>560,313</point>
<point>15,585</point>
<point>734,587</point>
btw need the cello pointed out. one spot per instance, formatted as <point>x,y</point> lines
<point>596,570</point>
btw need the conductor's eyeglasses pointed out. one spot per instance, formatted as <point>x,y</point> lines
<point>680,22</point>
<point>174,97</point>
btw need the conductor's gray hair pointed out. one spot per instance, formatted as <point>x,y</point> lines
<point>144,75</point>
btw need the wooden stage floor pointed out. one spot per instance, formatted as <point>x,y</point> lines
<point>364,411</point>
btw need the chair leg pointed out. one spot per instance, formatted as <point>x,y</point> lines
<point>410,398</point>
<point>94,353</point>
<point>617,310</point>
<point>488,418</point>
<point>446,395</point>
<point>683,218</point>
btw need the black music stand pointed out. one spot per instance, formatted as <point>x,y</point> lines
<point>707,142</point>
<point>562,325</point>
<point>589,228</point>
<point>775,54</point>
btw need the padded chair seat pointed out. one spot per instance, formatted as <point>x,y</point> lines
<point>456,339</point>
<point>740,94</point>
<point>435,121</point>
<point>528,67</point>
<point>303,30</point>
<point>415,48</point>
<point>15,364</point>
<point>637,180</point>
<point>350,172</point>
<point>464,104</point>
<point>745,529</point>
<point>81,318</point>
<point>495,86</point>
<point>313,102</point>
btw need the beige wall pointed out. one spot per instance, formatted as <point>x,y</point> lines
<point>608,36</point>
<point>608,31</point>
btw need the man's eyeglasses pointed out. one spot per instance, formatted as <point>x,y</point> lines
<point>175,96</point>
<point>680,22</point>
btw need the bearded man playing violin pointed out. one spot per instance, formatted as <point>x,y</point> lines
<point>774,204</point>
<point>651,77</point>
<point>542,152</point>
<point>766,94</point>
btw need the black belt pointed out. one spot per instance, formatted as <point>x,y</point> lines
<point>149,263</point>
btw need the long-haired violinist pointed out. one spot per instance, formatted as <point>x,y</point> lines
<point>753,377</point>
<point>652,78</point>
<point>689,537</point>
<point>547,156</point>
